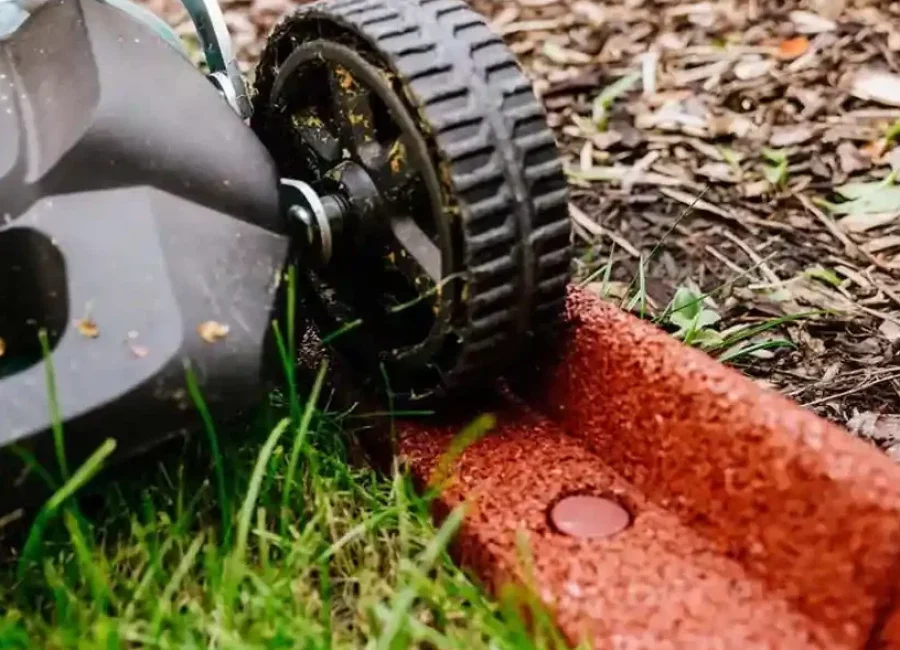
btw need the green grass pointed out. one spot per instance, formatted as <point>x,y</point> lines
<point>271,537</point>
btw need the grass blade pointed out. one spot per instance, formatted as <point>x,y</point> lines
<point>299,441</point>
<point>218,460</point>
<point>55,416</point>
<point>78,480</point>
<point>771,344</point>
<point>246,512</point>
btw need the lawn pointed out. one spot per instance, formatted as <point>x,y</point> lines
<point>733,172</point>
<point>274,536</point>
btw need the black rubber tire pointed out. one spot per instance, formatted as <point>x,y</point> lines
<point>486,126</point>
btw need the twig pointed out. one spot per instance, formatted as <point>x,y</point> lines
<point>766,270</point>
<point>699,204</point>
<point>849,245</point>
<point>852,391</point>
<point>584,221</point>
<point>721,257</point>
<point>837,233</point>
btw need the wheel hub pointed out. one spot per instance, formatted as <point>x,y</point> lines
<point>371,231</point>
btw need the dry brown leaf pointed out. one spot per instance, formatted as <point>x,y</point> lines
<point>87,328</point>
<point>2,347</point>
<point>212,331</point>
<point>793,48</point>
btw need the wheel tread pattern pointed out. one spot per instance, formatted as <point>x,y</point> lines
<point>502,157</point>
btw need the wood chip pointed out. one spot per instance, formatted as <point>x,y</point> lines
<point>876,85</point>
<point>893,159</point>
<point>564,55</point>
<point>87,328</point>
<point>532,26</point>
<point>867,221</point>
<point>507,15</point>
<point>876,425</point>
<point>212,331</point>
<point>753,67</point>
<point>649,64</point>
<point>851,159</point>
<point>788,136</point>
<point>830,9</point>
<point>139,351</point>
<point>536,3</point>
<point>807,22</point>
<point>618,174</point>
<point>718,171</point>
<point>593,13</point>
<point>882,244</point>
<point>890,331</point>
<point>692,75</point>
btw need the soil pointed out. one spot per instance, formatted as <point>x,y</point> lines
<point>706,144</point>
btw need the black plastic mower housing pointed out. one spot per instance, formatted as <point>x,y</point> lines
<point>135,205</point>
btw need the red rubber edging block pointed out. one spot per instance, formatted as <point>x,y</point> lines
<point>755,524</point>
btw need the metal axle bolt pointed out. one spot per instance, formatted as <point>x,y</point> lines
<point>306,222</point>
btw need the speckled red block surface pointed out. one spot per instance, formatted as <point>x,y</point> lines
<point>756,523</point>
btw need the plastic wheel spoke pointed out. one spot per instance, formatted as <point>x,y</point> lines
<point>352,109</point>
<point>321,147</point>
<point>412,239</point>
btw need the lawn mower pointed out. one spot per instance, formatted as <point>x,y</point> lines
<point>391,151</point>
